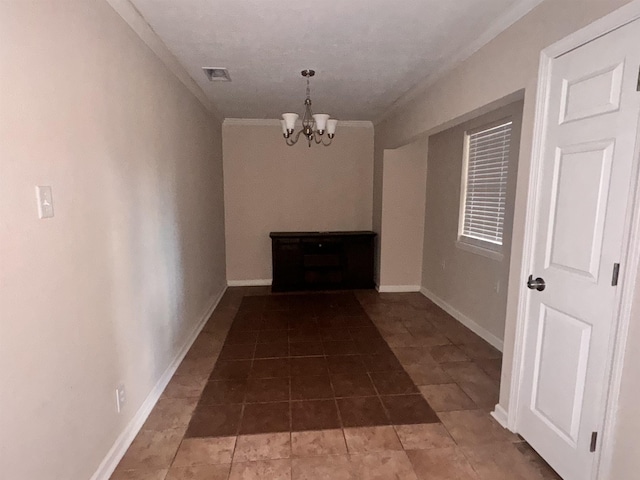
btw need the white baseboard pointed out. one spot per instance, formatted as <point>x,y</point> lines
<point>249,283</point>
<point>124,440</point>
<point>463,319</point>
<point>397,288</point>
<point>500,415</point>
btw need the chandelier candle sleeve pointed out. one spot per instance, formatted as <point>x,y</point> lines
<point>314,126</point>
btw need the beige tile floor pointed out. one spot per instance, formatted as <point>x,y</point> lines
<point>456,372</point>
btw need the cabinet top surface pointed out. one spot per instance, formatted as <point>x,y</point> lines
<point>320,234</point>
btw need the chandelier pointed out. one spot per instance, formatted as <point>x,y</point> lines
<point>314,125</point>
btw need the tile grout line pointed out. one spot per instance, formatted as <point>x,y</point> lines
<point>235,443</point>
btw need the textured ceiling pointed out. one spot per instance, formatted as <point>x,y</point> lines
<point>367,53</point>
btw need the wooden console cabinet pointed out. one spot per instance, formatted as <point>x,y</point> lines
<point>322,260</point>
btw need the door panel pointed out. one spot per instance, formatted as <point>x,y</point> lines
<point>595,94</point>
<point>590,129</point>
<point>577,215</point>
<point>560,335</point>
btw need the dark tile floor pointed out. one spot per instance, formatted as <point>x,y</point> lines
<point>305,362</point>
<point>332,380</point>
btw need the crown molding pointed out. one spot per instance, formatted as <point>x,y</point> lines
<point>274,122</point>
<point>503,22</point>
<point>139,25</point>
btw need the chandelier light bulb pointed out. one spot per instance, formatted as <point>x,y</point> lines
<point>290,120</point>
<point>332,123</point>
<point>321,122</point>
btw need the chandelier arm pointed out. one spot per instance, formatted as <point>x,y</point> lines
<point>291,141</point>
<point>328,143</point>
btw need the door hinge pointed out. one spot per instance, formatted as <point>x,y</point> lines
<point>638,87</point>
<point>594,441</point>
<point>614,276</point>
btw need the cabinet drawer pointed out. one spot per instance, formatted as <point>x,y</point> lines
<point>311,260</point>
<point>321,247</point>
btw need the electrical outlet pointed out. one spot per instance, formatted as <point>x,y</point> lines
<point>121,398</point>
<point>443,264</point>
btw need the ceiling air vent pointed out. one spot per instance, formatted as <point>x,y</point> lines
<point>216,74</point>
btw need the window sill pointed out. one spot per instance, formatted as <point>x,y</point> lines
<point>485,252</point>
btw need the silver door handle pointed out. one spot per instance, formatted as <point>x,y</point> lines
<point>537,284</point>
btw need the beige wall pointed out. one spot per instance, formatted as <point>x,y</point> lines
<point>272,187</point>
<point>403,197</point>
<point>108,290</point>
<point>472,284</point>
<point>507,64</point>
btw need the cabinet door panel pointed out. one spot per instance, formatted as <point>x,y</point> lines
<point>287,264</point>
<point>359,258</point>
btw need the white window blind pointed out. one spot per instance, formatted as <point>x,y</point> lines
<point>487,167</point>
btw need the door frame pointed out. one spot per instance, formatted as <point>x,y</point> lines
<point>630,258</point>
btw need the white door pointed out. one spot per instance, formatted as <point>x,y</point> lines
<point>589,142</point>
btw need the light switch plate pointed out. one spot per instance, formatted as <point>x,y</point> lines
<point>121,397</point>
<point>45,201</point>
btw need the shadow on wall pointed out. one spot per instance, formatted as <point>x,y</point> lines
<point>470,283</point>
<point>163,251</point>
<point>109,290</point>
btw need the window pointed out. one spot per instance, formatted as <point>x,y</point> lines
<point>484,186</point>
